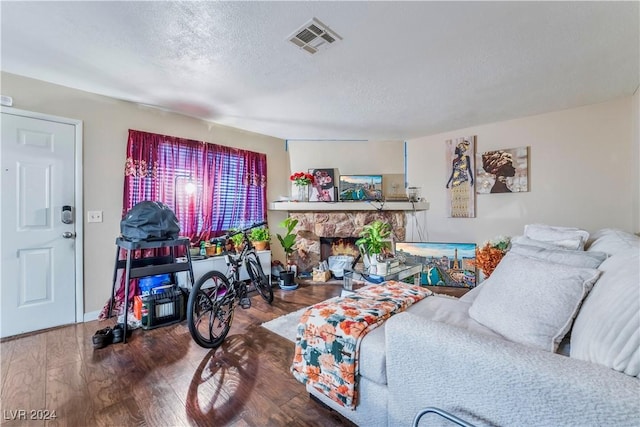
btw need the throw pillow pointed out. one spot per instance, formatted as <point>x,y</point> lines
<point>530,301</point>
<point>555,234</point>
<point>612,241</point>
<point>561,256</point>
<point>569,244</point>
<point>607,329</point>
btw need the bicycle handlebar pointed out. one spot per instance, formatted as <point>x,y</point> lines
<point>244,230</point>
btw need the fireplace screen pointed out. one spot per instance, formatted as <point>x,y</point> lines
<point>338,246</point>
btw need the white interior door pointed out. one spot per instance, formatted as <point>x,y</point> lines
<point>38,269</point>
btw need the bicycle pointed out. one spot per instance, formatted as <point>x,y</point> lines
<point>213,299</point>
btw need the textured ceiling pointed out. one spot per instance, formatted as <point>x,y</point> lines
<point>402,70</point>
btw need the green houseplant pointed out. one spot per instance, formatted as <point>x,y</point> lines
<point>260,238</point>
<point>374,238</point>
<point>236,238</point>
<point>288,242</point>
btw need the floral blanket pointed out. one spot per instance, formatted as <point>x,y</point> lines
<point>329,335</point>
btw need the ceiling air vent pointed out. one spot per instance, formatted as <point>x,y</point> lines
<point>313,36</point>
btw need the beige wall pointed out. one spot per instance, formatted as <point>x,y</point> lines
<point>106,122</point>
<point>351,158</point>
<point>583,172</point>
<point>584,168</point>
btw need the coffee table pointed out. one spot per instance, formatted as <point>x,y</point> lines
<point>397,273</point>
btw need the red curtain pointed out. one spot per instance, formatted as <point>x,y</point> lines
<point>211,188</point>
<point>229,184</point>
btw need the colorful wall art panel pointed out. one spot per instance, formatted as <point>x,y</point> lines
<point>461,199</point>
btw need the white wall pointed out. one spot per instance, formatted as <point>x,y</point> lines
<point>583,172</point>
<point>106,122</point>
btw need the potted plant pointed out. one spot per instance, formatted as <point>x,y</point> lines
<point>288,242</point>
<point>260,238</point>
<point>374,239</point>
<point>236,239</point>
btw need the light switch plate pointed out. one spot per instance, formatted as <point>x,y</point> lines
<point>94,216</point>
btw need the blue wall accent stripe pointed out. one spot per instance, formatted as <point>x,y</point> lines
<point>406,182</point>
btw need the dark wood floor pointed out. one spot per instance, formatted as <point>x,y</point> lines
<point>161,377</point>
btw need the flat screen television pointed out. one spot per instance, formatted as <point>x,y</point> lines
<point>360,187</point>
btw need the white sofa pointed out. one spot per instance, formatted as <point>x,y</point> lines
<point>437,355</point>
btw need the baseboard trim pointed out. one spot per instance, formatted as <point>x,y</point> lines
<point>91,316</point>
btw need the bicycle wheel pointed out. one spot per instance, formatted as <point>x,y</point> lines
<point>210,309</point>
<point>258,278</point>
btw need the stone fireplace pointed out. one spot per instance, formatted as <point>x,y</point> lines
<point>335,224</point>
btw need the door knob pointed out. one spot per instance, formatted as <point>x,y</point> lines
<point>68,235</point>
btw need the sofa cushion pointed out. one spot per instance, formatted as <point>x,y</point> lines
<point>607,329</point>
<point>568,237</point>
<point>612,241</point>
<point>591,259</point>
<point>372,363</point>
<point>472,294</point>
<point>530,301</point>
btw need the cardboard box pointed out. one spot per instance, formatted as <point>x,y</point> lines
<point>321,276</point>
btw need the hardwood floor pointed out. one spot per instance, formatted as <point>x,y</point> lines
<point>161,377</point>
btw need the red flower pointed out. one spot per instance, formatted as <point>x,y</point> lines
<point>301,178</point>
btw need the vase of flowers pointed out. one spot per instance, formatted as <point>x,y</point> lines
<point>302,181</point>
<point>489,255</point>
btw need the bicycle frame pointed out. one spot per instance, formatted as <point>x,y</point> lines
<point>210,308</point>
<point>235,262</point>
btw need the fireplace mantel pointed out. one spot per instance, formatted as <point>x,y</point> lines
<point>348,206</point>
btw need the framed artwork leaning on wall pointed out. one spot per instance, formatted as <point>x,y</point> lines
<point>323,187</point>
<point>443,264</point>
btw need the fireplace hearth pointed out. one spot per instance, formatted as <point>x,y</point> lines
<point>314,226</point>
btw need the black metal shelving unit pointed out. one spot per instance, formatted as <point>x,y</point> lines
<point>147,266</point>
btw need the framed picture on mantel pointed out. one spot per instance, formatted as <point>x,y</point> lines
<point>323,188</point>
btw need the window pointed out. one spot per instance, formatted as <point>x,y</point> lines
<point>210,187</point>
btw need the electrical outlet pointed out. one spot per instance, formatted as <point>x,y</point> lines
<point>94,216</point>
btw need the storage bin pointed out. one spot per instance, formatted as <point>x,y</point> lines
<point>146,284</point>
<point>164,308</point>
<point>321,276</point>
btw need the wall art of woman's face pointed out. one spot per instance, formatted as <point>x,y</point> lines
<point>499,163</point>
<point>508,166</point>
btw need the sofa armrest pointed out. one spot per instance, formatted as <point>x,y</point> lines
<point>490,381</point>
